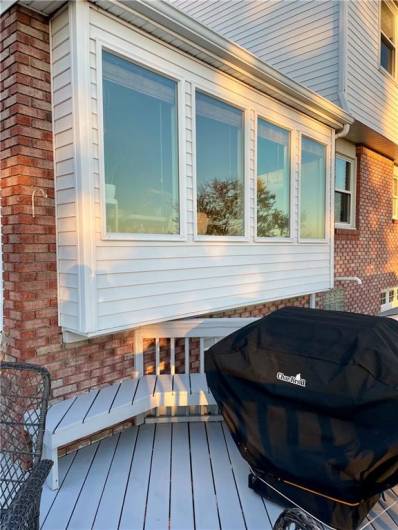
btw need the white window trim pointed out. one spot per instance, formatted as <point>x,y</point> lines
<point>394,303</point>
<point>352,192</point>
<point>328,177</point>
<point>213,91</point>
<point>393,75</point>
<point>395,197</point>
<point>292,143</point>
<point>151,65</point>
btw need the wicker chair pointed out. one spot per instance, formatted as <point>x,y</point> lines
<point>24,393</point>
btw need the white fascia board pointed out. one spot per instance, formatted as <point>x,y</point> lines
<point>237,61</point>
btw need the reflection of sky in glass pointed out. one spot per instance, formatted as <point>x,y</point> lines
<point>219,157</point>
<point>313,189</point>
<point>140,144</point>
<point>273,170</point>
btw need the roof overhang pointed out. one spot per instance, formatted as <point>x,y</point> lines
<point>169,24</point>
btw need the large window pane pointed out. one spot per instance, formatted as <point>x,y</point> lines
<point>312,189</point>
<point>219,168</point>
<point>273,180</point>
<point>141,149</point>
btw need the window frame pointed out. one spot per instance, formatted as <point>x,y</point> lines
<point>292,143</point>
<point>328,203</point>
<point>155,67</point>
<point>352,192</point>
<point>215,92</point>
<point>394,197</point>
<point>389,304</point>
<point>393,43</point>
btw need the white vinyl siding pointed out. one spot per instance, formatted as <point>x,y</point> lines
<point>372,94</point>
<point>142,281</point>
<point>64,159</point>
<point>297,37</point>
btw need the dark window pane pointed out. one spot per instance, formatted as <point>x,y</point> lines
<point>343,174</point>
<point>273,180</point>
<point>342,207</point>
<point>387,56</point>
<point>219,167</point>
<point>312,189</point>
<point>140,149</point>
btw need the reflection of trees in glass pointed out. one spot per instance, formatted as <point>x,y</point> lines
<point>221,202</point>
<point>271,222</point>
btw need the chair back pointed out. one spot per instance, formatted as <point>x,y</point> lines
<point>24,394</point>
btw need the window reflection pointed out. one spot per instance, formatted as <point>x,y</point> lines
<point>312,189</point>
<point>273,180</point>
<point>219,167</point>
<point>140,149</point>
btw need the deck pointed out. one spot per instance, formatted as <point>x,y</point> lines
<point>159,476</point>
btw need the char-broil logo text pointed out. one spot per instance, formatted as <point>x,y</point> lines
<point>293,379</point>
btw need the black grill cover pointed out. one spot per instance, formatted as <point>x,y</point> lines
<point>311,397</point>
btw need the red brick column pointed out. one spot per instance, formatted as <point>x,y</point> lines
<point>30,290</point>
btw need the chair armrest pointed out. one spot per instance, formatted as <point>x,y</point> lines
<point>23,511</point>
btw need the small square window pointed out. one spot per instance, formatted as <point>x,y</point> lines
<point>383,298</point>
<point>344,197</point>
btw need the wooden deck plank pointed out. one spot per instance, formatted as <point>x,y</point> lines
<point>110,508</point>
<point>181,507</point>
<point>90,495</point>
<point>229,506</point>
<point>253,505</point>
<point>78,410</point>
<point>48,496</point>
<point>56,413</point>
<point>112,479</point>
<point>64,503</point>
<point>205,503</point>
<point>126,394</point>
<point>133,513</point>
<point>157,512</point>
<point>103,402</point>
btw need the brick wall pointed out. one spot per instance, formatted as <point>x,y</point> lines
<point>371,251</point>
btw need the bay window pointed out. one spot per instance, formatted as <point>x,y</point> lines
<point>220,193</point>
<point>273,180</point>
<point>312,189</point>
<point>344,196</point>
<point>140,149</point>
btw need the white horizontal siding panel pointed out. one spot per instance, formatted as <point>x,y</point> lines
<point>280,32</point>
<point>371,94</point>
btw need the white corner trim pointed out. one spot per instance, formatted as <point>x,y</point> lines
<point>80,24</point>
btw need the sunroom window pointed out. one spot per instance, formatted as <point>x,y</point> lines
<point>312,189</point>
<point>273,180</point>
<point>140,149</point>
<point>344,196</point>
<point>219,168</point>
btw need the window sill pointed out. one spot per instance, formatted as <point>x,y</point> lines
<point>347,233</point>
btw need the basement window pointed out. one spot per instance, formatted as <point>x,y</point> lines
<point>388,38</point>
<point>389,298</point>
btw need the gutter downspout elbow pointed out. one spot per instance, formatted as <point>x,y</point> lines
<point>343,132</point>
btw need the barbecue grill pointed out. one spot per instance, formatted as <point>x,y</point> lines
<point>311,400</point>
